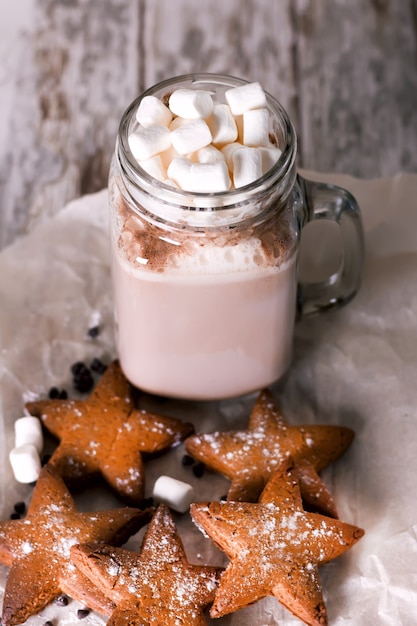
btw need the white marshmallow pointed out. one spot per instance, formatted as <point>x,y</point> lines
<point>179,170</point>
<point>25,462</point>
<point>146,142</point>
<point>247,166</point>
<point>245,97</point>
<point>28,429</point>
<point>222,125</point>
<point>228,152</point>
<point>154,166</point>
<point>269,157</point>
<point>177,122</point>
<point>191,104</point>
<point>151,111</point>
<point>208,177</point>
<point>256,127</point>
<point>168,155</point>
<point>191,137</point>
<point>174,493</point>
<point>208,154</point>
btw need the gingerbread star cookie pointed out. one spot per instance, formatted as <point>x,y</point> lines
<point>37,547</point>
<point>275,548</point>
<point>105,435</point>
<point>250,457</point>
<point>157,586</point>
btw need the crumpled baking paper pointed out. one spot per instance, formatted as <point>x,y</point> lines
<point>356,366</point>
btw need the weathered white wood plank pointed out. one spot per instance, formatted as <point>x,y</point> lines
<point>344,69</point>
<point>79,69</point>
<point>357,79</point>
<point>251,39</point>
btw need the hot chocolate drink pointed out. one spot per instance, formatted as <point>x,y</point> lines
<point>206,213</point>
<point>204,320</point>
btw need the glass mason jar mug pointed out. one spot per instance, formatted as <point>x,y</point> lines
<point>205,284</point>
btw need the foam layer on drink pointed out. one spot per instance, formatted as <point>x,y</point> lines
<point>147,246</point>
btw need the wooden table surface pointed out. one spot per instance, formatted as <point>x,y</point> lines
<point>346,71</point>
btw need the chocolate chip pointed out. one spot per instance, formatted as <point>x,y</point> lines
<point>53,393</point>
<point>82,378</point>
<point>20,507</point>
<point>198,470</point>
<point>98,366</point>
<point>187,460</point>
<point>61,600</point>
<point>93,332</point>
<point>82,613</point>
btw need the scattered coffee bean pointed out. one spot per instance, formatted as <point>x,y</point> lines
<point>55,393</point>
<point>198,470</point>
<point>82,613</point>
<point>93,332</point>
<point>82,378</point>
<point>187,460</point>
<point>48,623</point>
<point>61,600</point>
<point>15,515</point>
<point>98,366</point>
<point>20,507</point>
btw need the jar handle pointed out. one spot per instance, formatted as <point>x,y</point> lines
<point>330,202</point>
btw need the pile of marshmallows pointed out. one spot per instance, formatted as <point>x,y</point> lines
<point>198,145</point>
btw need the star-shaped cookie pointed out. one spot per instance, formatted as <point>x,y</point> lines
<point>105,435</point>
<point>250,457</point>
<point>156,586</point>
<point>37,548</point>
<point>275,548</point>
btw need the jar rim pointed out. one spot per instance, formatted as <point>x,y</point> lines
<point>201,201</point>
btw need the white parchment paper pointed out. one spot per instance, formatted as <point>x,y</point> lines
<point>356,366</point>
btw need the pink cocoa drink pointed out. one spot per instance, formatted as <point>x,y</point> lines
<point>211,322</point>
<point>206,213</point>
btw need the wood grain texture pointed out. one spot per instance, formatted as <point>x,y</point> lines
<point>346,71</point>
<point>357,86</point>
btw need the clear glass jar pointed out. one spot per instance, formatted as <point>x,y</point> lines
<point>205,285</point>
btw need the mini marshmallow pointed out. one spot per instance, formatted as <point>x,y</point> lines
<point>228,152</point>
<point>151,111</point>
<point>208,177</point>
<point>269,157</point>
<point>28,429</point>
<point>256,128</point>
<point>174,493</point>
<point>208,154</point>
<point>168,155</point>
<point>146,142</point>
<point>154,166</point>
<point>247,166</point>
<point>222,125</point>
<point>179,170</point>
<point>191,137</point>
<point>192,104</point>
<point>177,122</point>
<point>245,97</point>
<point>25,462</point>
